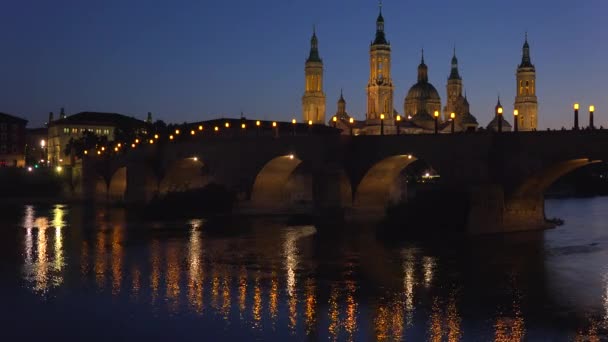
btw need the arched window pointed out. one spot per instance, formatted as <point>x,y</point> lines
<point>521,88</point>
<point>527,88</point>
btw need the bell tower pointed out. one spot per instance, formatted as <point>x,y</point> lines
<point>454,90</point>
<point>380,86</point>
<point>526,101</point>
<point>313,101</point>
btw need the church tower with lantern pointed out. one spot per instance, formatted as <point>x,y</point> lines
<point>313,101</point>
<point>526,101</point>
<point>380,86</point>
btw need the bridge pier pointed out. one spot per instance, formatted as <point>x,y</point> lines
<point>491,213</point>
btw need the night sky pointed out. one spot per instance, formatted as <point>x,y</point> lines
<point>196,60</point>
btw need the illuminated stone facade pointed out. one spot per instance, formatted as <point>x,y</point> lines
<point>313,101</point>
<point>526,101</point>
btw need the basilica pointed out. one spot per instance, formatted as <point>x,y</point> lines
<point>422,107</point>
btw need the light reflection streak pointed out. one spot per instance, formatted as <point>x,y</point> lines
<point>41,264</point>
<point>172,279</point>
<point>196,277</point>
<point>334,314</point>
<point>273,297</point>
<point>509,329</point>
<point>155,274</point>
<point>226,298</point>
<point>428,265</point>
<point>242,292</point>
<point>117,255</point>
<point>136,282</point>
<point>256,309</point>
<point>100,259</point>
<point>350,323</point>
<point>311,306</point>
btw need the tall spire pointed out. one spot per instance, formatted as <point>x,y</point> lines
<point>454,74</point>
<point>526,61</point>
<point>380,36</point>
<point>314,47</point>
<point>423,70</point>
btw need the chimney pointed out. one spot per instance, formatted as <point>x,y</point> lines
<point>149,119</point>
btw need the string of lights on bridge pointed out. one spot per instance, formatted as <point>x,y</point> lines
<point>195,130</point>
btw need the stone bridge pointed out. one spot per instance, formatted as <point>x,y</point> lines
<point>501,177</point>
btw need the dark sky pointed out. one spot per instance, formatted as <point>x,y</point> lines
<point>194,60</point>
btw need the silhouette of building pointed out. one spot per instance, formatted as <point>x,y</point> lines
<point>499,115</point>
<point>74,126</point>
<point>12,141</point>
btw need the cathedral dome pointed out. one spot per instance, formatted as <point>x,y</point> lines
<point>422,91</point>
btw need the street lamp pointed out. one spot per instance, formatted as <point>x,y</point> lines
<point>591,110</point>
<point>515,120</point>
<point>398,119</point>
<point>381,124</point>
<point>351,122</point>
<point>257,125</point>
<point>453,119</point>
<point>275,129</point>
<point>499,119</point>
<point>436,115</point>
<point>334,121</point>
<point>293,123</point>
<point>576,107</point>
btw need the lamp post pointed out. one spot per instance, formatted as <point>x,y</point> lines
<point>275,129</point>
<point>453,119</point>
<point>398,119</point>
<point>515,120</point>
<point>499,117</point>
<point>42,149</point>
<point>576,107</point>
<point>436,115</point>
<point>591,110</point>
<point>351,121</point>
<point>381,124</point>
<point>257,125</point>
<point>334,121</point>
<point>309,127</point>
<point>293,123</point>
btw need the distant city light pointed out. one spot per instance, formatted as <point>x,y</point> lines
<point>243,126</point>
<point>155,136</point>
<point>195,158</point>
<point>291,156</point>
<point>227,124</point>
<point>576,106</point>
<point>200,127</point>
<point>258,123</point>
<point>293,121</point>
<point>58,169</point>
<point>42,143</point>
<point>192,132</point>
<point>29,169</point>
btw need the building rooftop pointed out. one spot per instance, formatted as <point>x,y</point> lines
<point>12,118</point>
<point>98,118</point>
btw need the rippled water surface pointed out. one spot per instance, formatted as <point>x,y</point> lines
<point>99,274</point>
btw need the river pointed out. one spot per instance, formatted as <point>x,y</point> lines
<point>101,274</point>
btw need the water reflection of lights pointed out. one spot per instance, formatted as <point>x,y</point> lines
<point>256,309</point>
<point>274,297</point>
<point>43,264</point>
<point>172,278</point>
<point>334,314</point>
<point>408,284</point>
<point>428,265</point>
<point>196,275</point>
<point>311,305</point>
<point>242,291</point>
<point>117,254</point>
<point>155,274</point>
<point>510,328</point>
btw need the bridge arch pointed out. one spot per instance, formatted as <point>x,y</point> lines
<point>269,187</point>
<point>538,183</point>
<point>183,175</point>
<point>524,208</point>
<point>377,189</point>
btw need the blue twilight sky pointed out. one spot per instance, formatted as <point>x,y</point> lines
<point>194,60</point>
